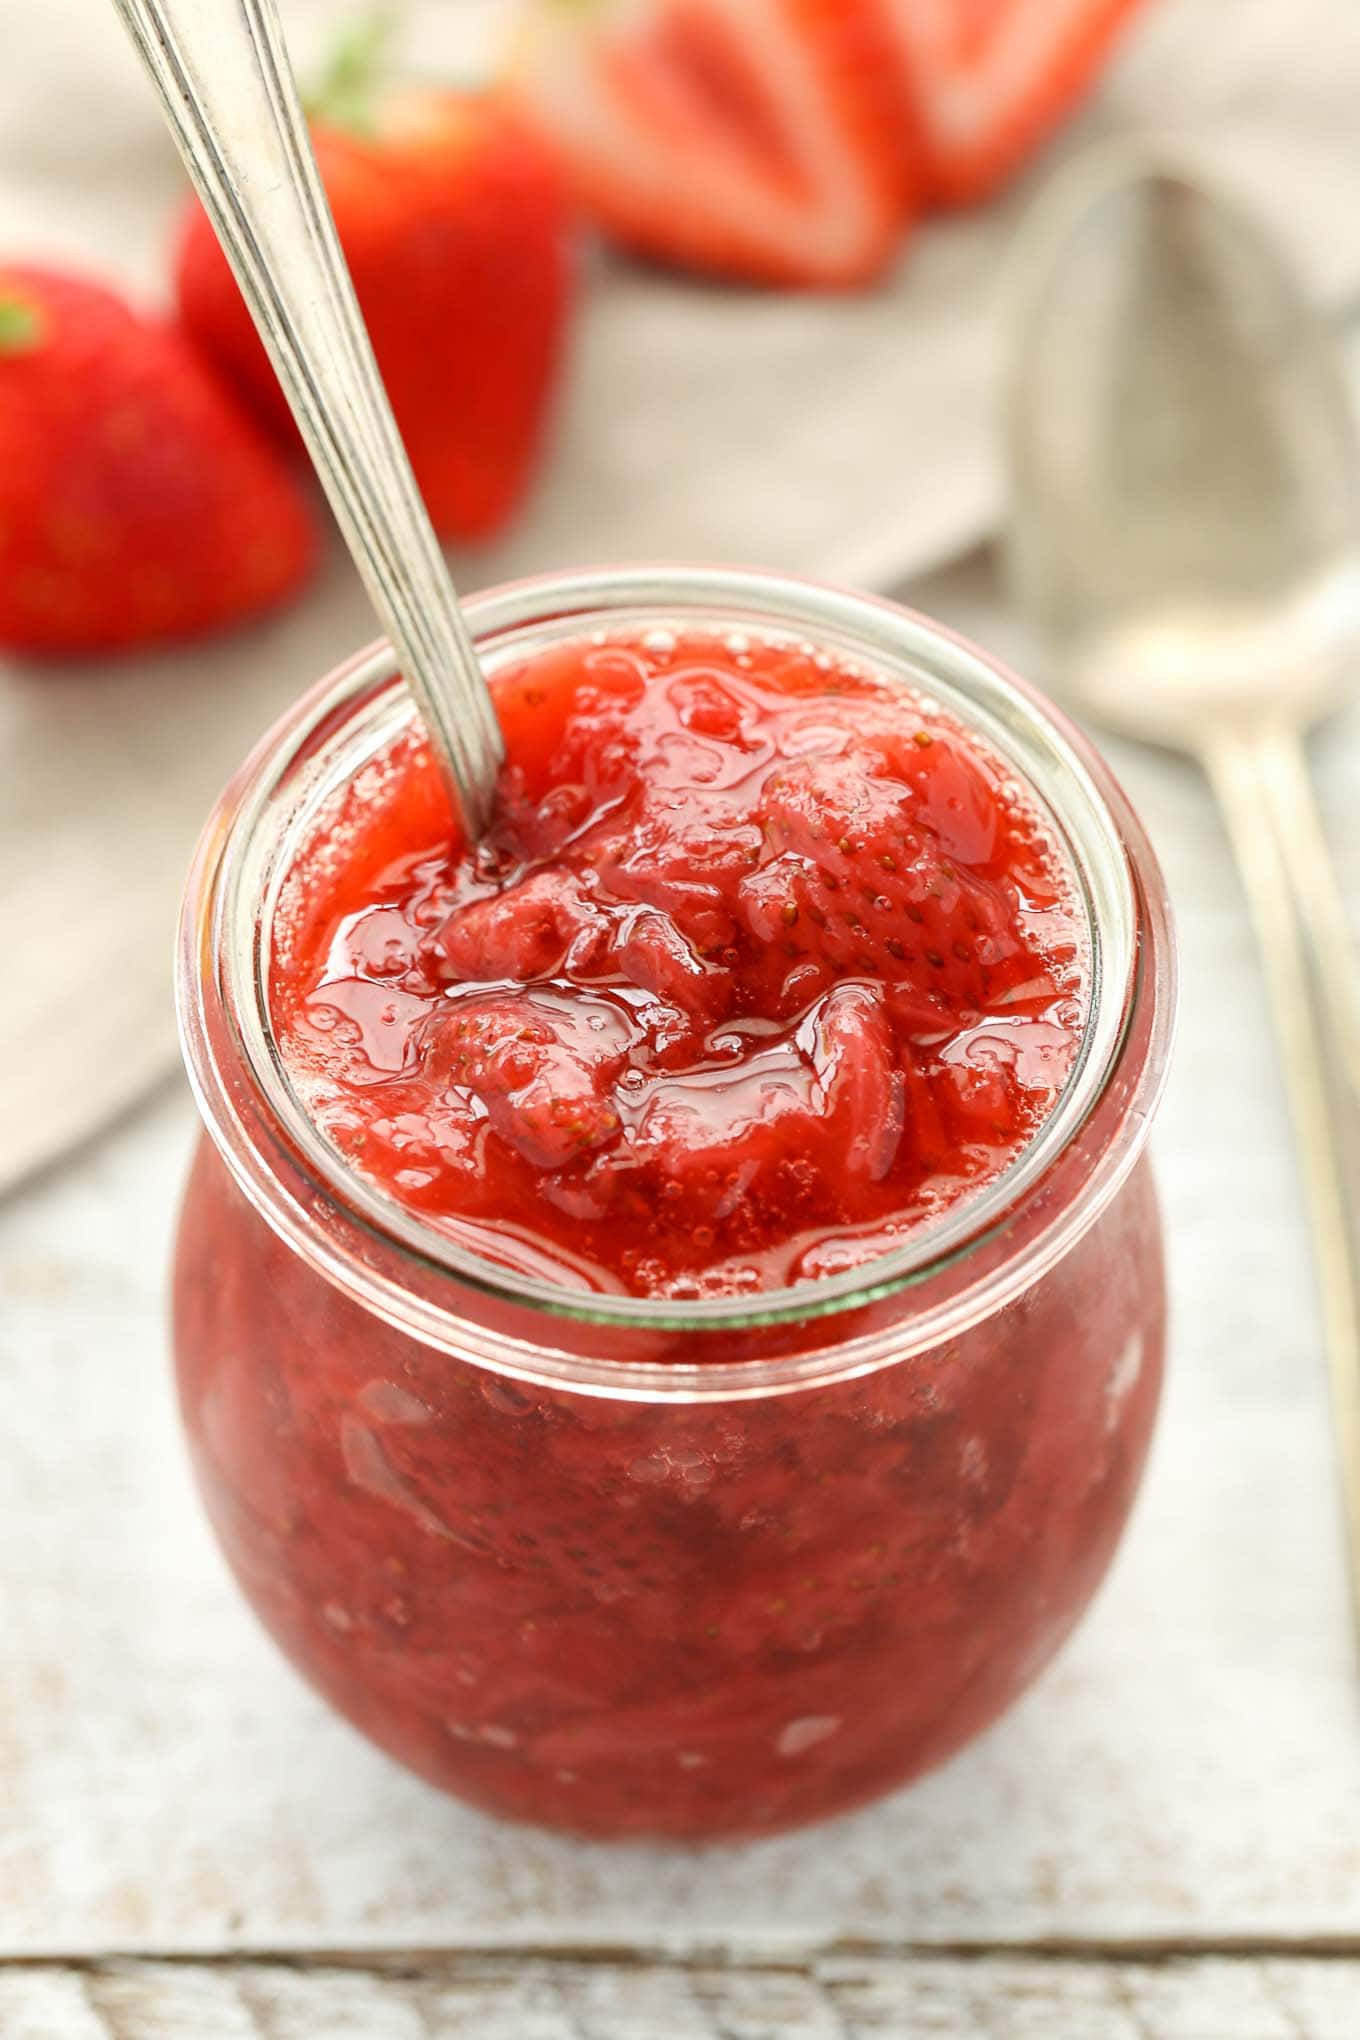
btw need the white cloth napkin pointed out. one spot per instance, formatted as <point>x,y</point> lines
<point>848,438</point>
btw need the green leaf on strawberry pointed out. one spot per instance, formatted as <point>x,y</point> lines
<point>21,324</point>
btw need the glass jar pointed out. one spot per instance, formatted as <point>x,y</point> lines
<point>627,1566</point>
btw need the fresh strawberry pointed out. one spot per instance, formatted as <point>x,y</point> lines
<point>138,504</point>
<point>985,82</point>
<point>455,228</point>
<point>745,138</point>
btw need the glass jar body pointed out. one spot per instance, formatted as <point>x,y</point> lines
<point>626,1618</point>
<point>629,1569</point>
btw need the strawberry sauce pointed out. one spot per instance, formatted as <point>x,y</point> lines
<point>765,964</point>
<point>762,964</point>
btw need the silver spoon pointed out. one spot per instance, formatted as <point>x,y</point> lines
<point>222,72</point>
<point>1186,536</point>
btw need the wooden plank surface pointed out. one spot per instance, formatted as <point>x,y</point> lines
<point>844,1998</point>
<point>1189,1769</point>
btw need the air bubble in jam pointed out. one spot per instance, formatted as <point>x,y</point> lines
<point>763,962</point>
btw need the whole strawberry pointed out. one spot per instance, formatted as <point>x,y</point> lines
<point>138,503</point>
<point>456,232</point>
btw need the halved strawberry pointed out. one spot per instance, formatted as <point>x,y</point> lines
<point>746,138</point>
<point>985,82</point>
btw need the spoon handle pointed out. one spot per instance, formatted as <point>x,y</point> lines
<point>1303,845</point>
<point>224,79</point>
<point>1268,805</point>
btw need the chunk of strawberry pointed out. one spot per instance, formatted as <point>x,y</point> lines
<point>931,1145</point>
<point>994,1081</point>
<point>543,1066</point>
<point>682,859</point>
<point>794,1120</point>
<point>984,83</point>
<point>525,932</point>
<point>863,1091</point>
<point>715,1136</point>
<point>654,955</point>
<point>742,139</point>
<point>980,1104</point>
<point>858,878</point>
<point>954,799</point>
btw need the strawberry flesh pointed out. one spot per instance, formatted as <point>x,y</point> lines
<point>540,1064</point>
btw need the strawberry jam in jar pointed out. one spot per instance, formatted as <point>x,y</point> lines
<point>669,1305</point>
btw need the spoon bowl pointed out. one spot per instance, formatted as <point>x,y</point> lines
<point>1185,459</point>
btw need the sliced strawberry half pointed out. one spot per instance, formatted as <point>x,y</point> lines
<point>744,138</point>
<point>985,82</point>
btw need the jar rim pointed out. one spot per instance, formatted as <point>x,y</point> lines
<point>251,840</point>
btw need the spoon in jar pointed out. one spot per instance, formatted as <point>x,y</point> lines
<point>1185,535</point>
<point>227,89</point>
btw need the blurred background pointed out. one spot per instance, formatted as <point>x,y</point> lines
<point>788,357</point>
<point>743,298</point>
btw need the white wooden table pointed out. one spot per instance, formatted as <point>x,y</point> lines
<point>1162,1842</point>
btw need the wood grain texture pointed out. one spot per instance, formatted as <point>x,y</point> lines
<point>1189,1769</point>
<point>853,1998</point>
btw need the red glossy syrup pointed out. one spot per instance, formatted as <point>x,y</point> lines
<point>763,963</point>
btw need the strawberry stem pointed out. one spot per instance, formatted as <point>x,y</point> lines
<point>21,325</point>
<point>346,94</point>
